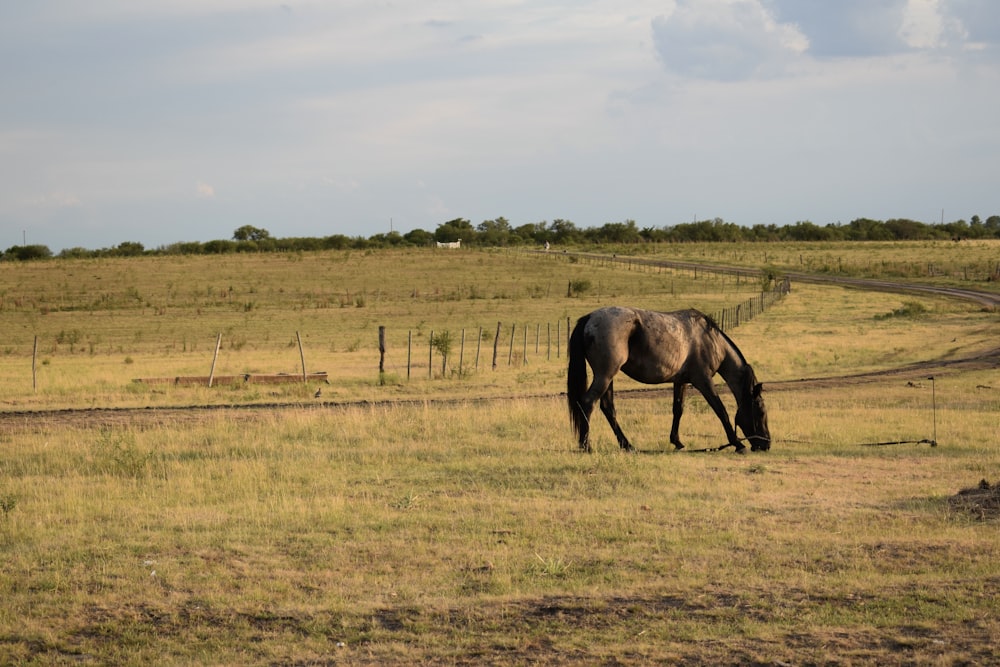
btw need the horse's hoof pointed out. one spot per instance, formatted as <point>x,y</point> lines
<point>678,446</point>
<point>741,450</point>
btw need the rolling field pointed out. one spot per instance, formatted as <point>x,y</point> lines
<point>447,518</point>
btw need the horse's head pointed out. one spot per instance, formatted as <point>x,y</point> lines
<point>751,415</point>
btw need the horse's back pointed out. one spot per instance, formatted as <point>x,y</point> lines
<point>648,346</point>
<point>615,321</point>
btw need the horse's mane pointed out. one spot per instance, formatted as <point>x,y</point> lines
<point>712,324</point>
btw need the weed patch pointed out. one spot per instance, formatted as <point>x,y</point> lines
<point>117,453</point>
<point>910,309</point>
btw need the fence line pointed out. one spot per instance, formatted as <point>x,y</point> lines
<point>643,264</point>
<point>732,317</point>
<point>727,319</point>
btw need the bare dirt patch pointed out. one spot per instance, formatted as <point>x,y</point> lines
<point>981,501</point>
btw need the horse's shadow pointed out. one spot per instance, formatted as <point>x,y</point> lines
<point>670,449</point>
<point>656,451</point>
<point>663,451</point>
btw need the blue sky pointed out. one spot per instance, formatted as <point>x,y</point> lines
<point>163,121</point>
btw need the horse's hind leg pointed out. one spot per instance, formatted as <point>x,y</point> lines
<point>675,426</point>
<point>608,408</point>
<point>585,407</point>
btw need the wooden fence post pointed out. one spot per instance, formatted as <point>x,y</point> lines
<point>496,343</point>
<point>302,356</point>
<point>479,347</point>
<point>381,350</point>
<point>211,375</point>
<point>34,367</point>
<point>510,352</point>
<point>524,347</point>
<point>409,352</point>
<point>461,354</point>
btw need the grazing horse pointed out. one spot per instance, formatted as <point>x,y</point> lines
<point>682,347</point>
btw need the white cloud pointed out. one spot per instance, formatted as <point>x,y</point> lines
<point>725,40</point>
<point>922,24</point>
<point>927,25</point>
<point>204,191</point>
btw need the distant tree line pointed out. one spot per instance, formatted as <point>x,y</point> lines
<point>500,233</point>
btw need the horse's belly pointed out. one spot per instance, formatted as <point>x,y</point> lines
<point>648,374</point>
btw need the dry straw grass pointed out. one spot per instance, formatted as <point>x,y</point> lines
<point>472,531</point>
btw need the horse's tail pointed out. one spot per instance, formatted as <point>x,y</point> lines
<point>576,380</point>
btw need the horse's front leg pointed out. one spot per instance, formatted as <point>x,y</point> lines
<point>675,427</point>
<point>608,408</point>
<point>708,391</point>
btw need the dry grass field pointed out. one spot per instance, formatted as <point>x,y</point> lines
<point>448,518</point>
<point>929,262</point>
<point>102,323</point>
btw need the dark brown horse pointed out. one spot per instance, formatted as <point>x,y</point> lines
<point>682,347</point>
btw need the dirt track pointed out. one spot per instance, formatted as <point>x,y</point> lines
<point>40,420</point>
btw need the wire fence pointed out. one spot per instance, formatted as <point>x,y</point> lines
<point>732,317</point>
<point>445,354</point>
<point>516,345</point>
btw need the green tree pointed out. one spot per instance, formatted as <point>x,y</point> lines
<point>977,230</point>
<point>707,230</point>
<point>388,239</point>
<point>617,232</point>
<point>250,233</point>
<point>533,232</point>
<point>75,253</point>
<point>419,237</point>
<point>804,230</point>
<point>866,229</point>
<point>907,230</point>
<point>494,232</point>
<point>337,242</point>
<point>27,252</point>
<point>563,231</point>
<point>129,249</point>
<point>219,247</point>
<point>458,229</point>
